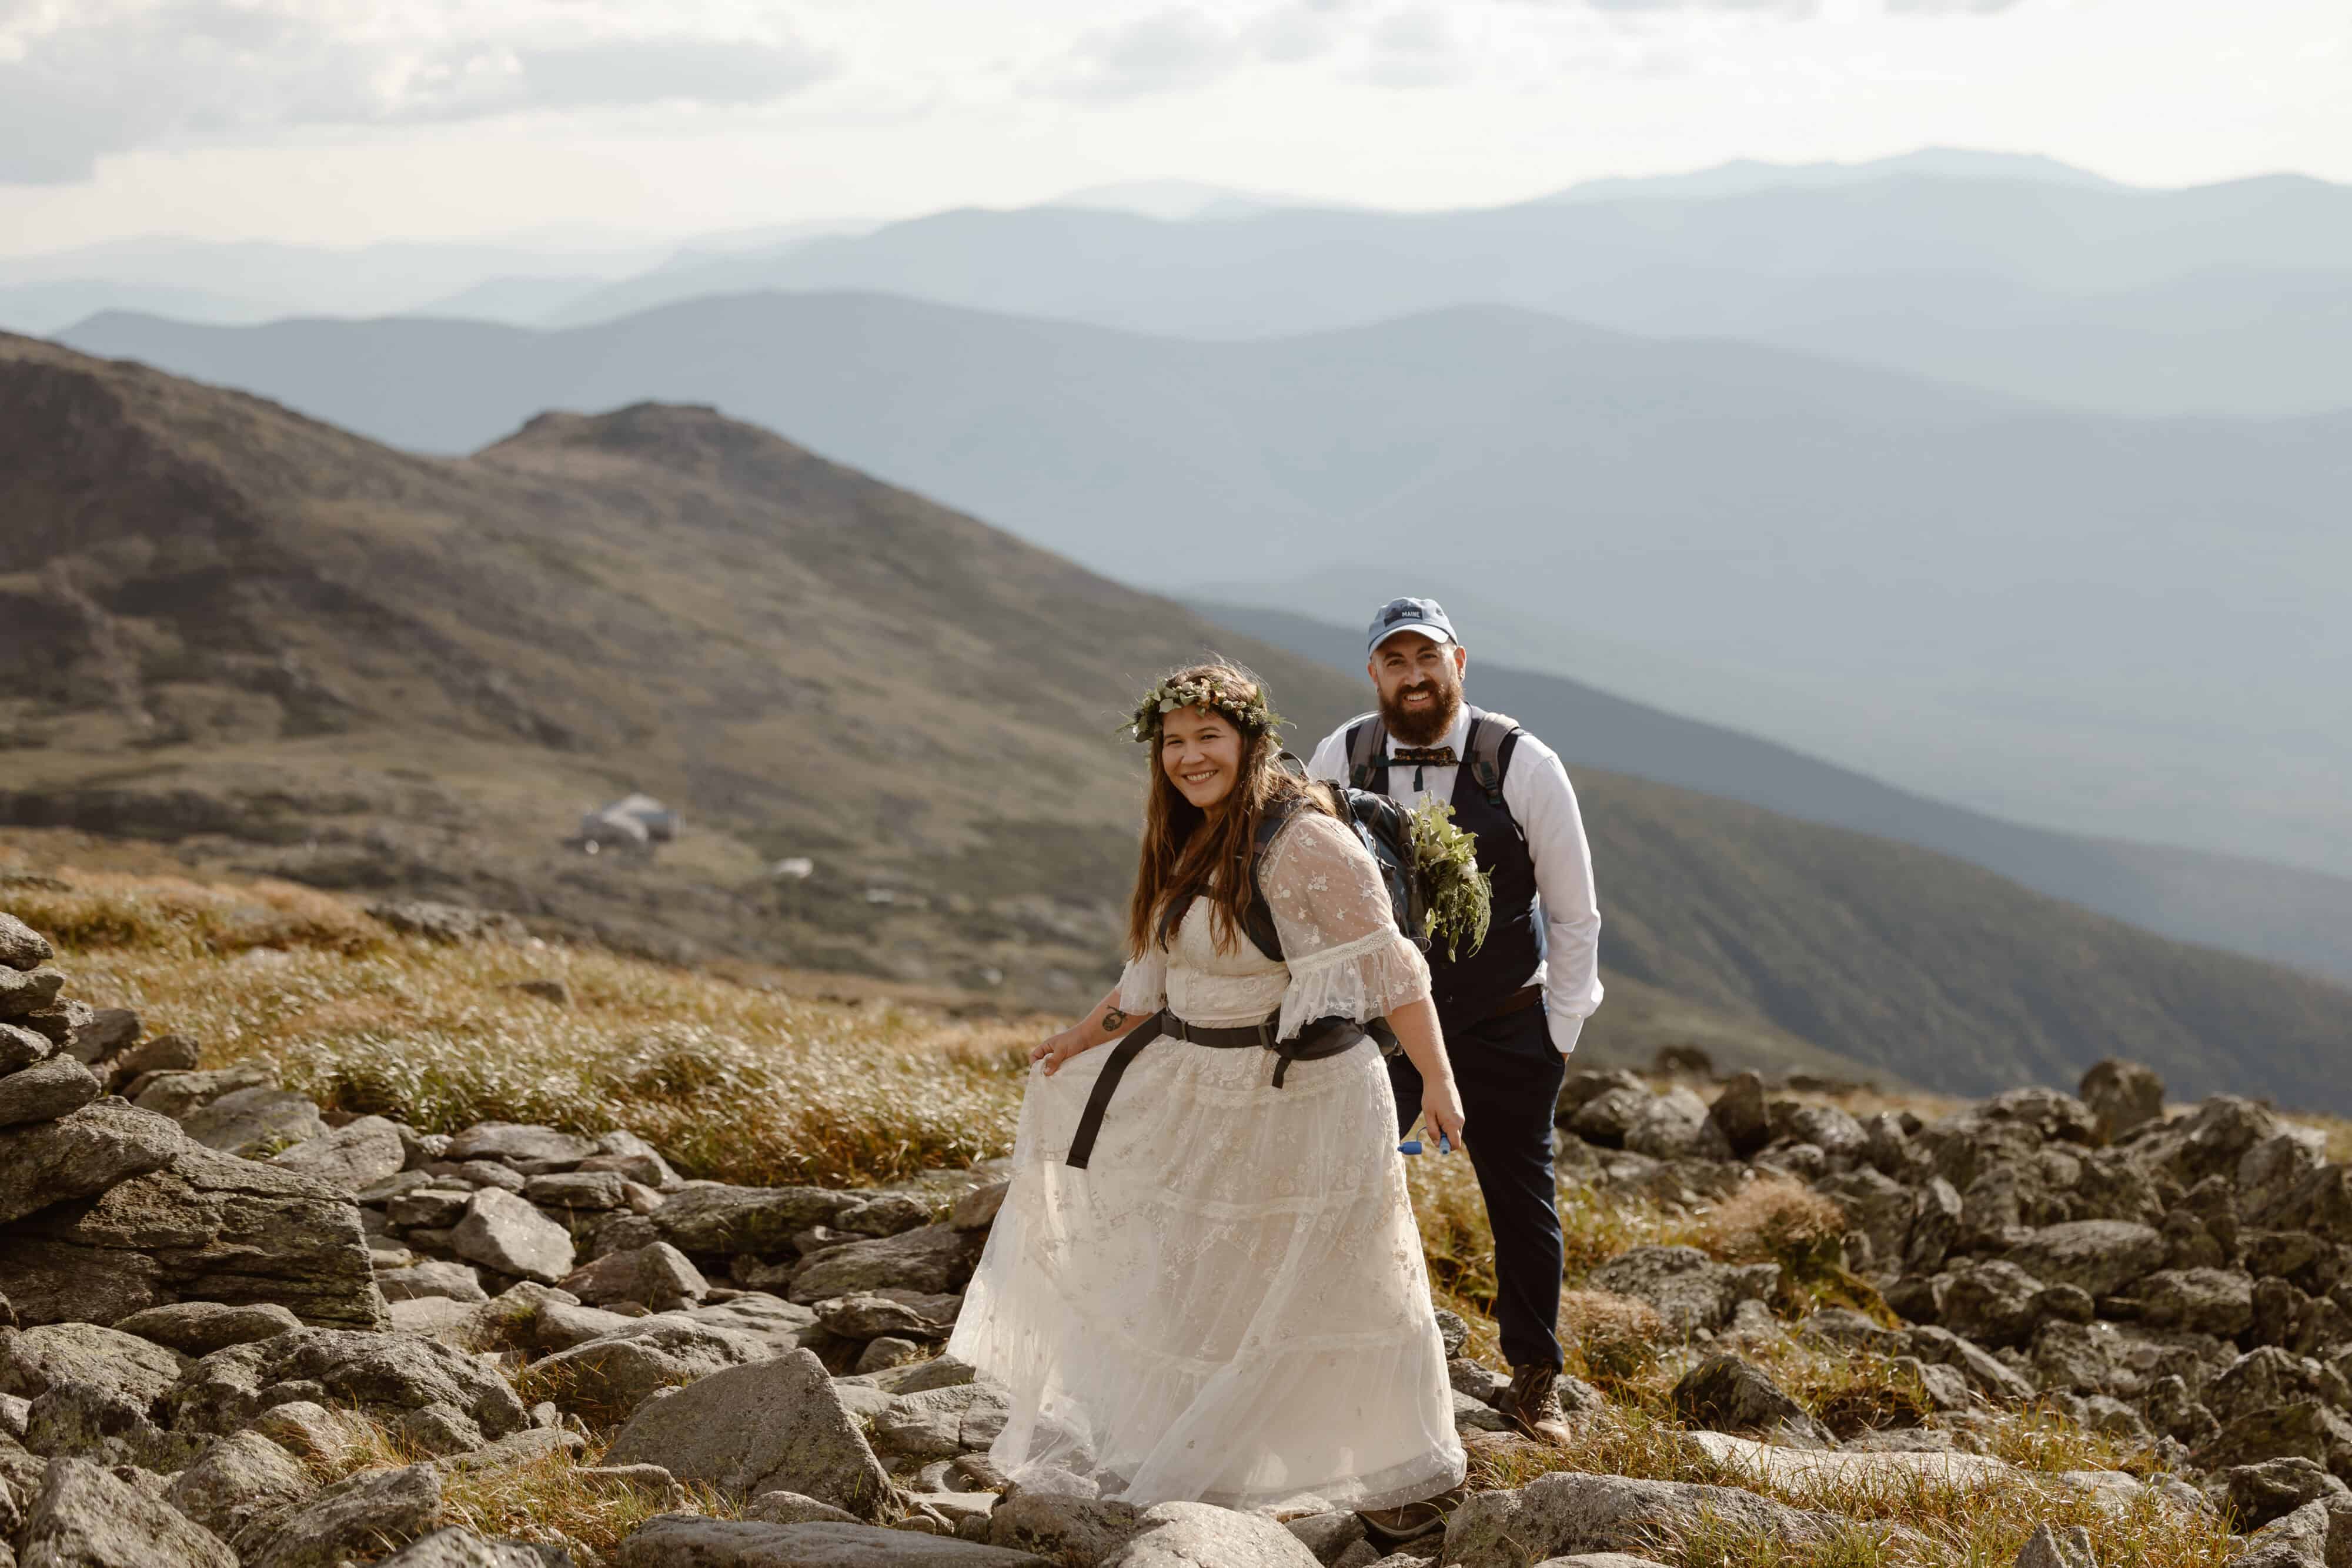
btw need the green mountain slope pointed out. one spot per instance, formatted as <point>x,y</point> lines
<point>289,650</point>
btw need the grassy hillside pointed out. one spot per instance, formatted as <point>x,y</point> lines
<point>286,651</point>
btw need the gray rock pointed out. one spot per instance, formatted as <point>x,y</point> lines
<point>515,1448</point>
<point>508,1316</point>
<point>45,1090</point>
<point>1326,1535</point>
<point>1726,1394</point>
<point>1986,1373</point>
<point>20,1048</point>
<point>1993,1304</point>
<point>207,1226</point>
<point>1689,1289</point>
<point>238,1480</point>
<point>1062,1528</point>
<point>2048,1548</point>
<point>255,1121</point>
<point>164,1054</point>
<point>355,1155</point>
<point>1934,1227</point>
<point>932,1260</point>
<point>941,1423</point>
<point>104,1425</point>
<point>977,1208</point>
<point>1675,1125</point>
<point>938,1372</point>
<point>593,1191</point>
<point>868,1316</point>
<point>2100,1256</point>
<point>791,1508</point>
<point>386,1376</point>
<point>1566,1512</point>
<point>104,1032</point>
<point>471,1173</point>
<point>200,1328</point>
<point>503,1233</point>
<point>455,1548</point>
<point>691,1540</point>
<point>1879,1207</point>
<point>361,1517</point>
<point>660,1276</point>
<point>21,946</point>
<point>2320,1202</point>
<point>1835,1131</point>
<point>773,1427</point>
<point>1606,1118</point>
<point>2208,1141</point>
<point>2123,1359</point>
<point>887,1352</point>
<point>2299,1539</point>
<point>27,991</point>
<point>178,1095</point>
<point>46,1163</point>
<point>445,1429</point>
<point>721,1221</point>
<point>36,1360</point>
<point>428,1208</point>
<point>1743,1116</point>
<point>85,1518</point>
<point>887,1214</point>
<point>560,1325</point>
<point>517,1141</point>
<point>1194,1534</point>
<point>604,1379</point>
<point>453,1281</point>
<point>2219,1301</point>
<point>2252,1495</point>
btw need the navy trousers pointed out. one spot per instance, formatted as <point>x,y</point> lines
<point>1509,1074</point>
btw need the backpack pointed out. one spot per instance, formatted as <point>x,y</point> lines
<point>1493,738</point>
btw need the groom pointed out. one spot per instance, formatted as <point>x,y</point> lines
<point>1511,1010</point>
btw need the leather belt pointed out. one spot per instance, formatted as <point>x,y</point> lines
<point>1324,1036</point>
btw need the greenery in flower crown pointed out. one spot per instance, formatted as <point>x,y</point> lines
<point>1250,712</point>
<point>1461,897</point>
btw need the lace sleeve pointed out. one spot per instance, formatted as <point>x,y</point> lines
<point>1338,937</point>
<point>1144,984</point>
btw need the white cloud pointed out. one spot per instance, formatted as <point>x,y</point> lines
<point>1167,51</point>
<point>76,85</point>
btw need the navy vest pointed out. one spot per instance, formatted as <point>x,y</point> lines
<point>1472,988</point>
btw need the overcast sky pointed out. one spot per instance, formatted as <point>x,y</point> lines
<point>343,121</point>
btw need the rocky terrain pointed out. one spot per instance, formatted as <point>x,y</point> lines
<point>236,1334</point>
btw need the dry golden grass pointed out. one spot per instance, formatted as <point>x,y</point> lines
<point>2337,1130</point>
<point>732,1083</point>
<point>1609,1340</point>
<point>1775,1220</point>
<point>548,1500</point>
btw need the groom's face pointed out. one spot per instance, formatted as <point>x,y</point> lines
<point>1419,683</point>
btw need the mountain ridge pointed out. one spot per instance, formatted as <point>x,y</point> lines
<point>307,655</point>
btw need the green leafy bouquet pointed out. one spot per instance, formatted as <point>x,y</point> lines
<point>1461,897</point>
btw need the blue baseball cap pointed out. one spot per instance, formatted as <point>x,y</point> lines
<point>1422,615</point>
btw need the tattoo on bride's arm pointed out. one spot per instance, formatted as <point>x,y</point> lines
<point>1114,1019</point>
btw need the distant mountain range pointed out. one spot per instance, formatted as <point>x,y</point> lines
<point>2247,906</point>
<point>292,651</point>
<point>2121,628</point>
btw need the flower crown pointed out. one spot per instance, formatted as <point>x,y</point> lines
<point>1251,713</point>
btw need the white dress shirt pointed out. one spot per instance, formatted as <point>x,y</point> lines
<point>1543,803</point>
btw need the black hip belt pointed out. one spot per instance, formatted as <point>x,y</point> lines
<point>1324,1036</point>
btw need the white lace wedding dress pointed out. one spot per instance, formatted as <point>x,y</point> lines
<point>1228,1304</point>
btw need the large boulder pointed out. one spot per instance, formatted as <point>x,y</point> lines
<point>2100,1256</point>
<point>2208,1141</point>
<point>387,1375</point>
<point>255,1121</point>
<point>692,1541</point>
<point>355,1155</point>
<point>604,1379</point>
<point>934,1258</point>
<point>1993,1304</point>
<point>1726,1394</point>
<point>1191,1535</point>
<point>200,1328</point>
<point>45,1090</point>
<point>1062,1527</point>
<point>775,1426</point>
<point>719,1222</point>
<point>2124,1096</point>
<point>43,1164</point>
<point>36,1360</point>
<point>1566,1512</point>
<point>205,1226</point>
<point>238,1480</point>
<point>356,1519</point>
<point>85,1518</point>
<point>660,1276</point>
<point>1675,1126</point>
<point>503,1233</point>
<point>1687,1288</point>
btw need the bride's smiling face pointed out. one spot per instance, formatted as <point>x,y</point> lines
<point>1201,752</point>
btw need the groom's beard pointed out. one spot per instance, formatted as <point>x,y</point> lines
<point>1422,727</point>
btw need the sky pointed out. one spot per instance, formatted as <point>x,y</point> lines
<point>615,122</point>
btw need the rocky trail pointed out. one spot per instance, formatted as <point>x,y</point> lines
<point>232,1333</point>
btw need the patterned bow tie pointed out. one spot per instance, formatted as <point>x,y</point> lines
<point>1426,756</point>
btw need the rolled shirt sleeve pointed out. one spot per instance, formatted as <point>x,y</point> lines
<point>1543,802</point>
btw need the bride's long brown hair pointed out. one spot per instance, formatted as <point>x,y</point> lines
<point>1189,853</point>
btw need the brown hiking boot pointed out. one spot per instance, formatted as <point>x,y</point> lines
<point>1532,1406</point>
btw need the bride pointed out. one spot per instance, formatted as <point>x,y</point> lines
<point>1205,1283</point>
